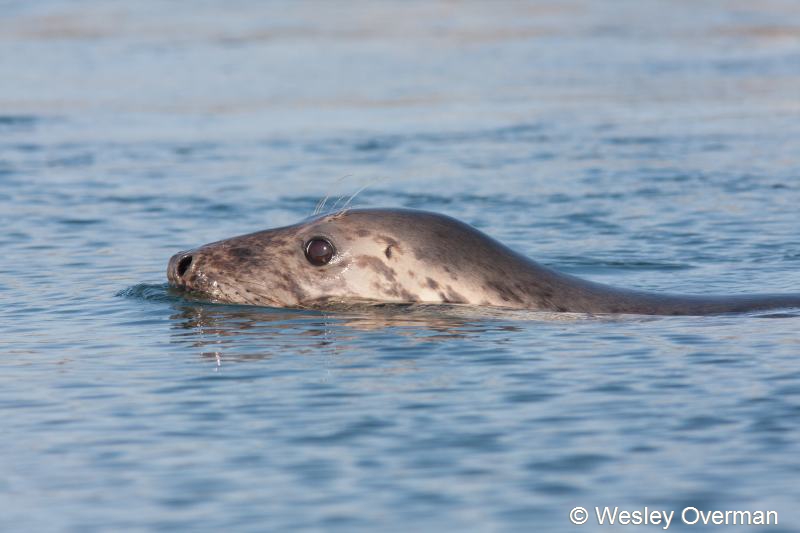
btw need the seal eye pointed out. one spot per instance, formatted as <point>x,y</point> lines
<point>319,251</point>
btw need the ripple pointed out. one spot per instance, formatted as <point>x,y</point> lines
<point>150,292</point>
<point>151,408</point>
<point>18,121</point>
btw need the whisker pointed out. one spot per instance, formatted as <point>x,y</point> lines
<point>321,205</point>
<point>350,200</point>
<point>333,207</point>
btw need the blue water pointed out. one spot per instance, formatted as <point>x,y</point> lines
<point>652,145</point>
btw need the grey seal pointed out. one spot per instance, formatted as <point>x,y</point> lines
<point>402,256</point>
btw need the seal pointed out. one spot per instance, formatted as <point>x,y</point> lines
<point>402,256</point>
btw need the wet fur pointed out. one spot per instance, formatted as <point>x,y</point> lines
<point>407,256</point>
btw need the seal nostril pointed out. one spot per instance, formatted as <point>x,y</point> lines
<point>183,265</point>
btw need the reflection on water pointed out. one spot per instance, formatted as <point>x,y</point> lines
<point>219,330</point>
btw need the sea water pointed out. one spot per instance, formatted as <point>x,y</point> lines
<point>651,145</point>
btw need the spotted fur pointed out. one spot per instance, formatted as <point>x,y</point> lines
<point>406,256</point>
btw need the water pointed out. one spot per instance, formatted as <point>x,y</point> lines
<point>653,145</point>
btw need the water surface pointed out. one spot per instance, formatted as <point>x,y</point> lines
<point>653,145</point>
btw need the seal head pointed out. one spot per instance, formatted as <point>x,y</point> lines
<point>356,256</point>
<point>368,256</point>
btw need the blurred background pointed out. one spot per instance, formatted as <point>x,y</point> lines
<point>261,106</point>
<point>649,144</point>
